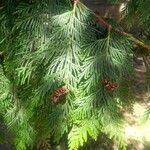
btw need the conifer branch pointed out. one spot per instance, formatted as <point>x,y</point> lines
<point>2,63</point>
<point>106,25</point>
<point>73,55</point>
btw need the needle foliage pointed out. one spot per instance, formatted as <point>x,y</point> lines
<point>45,44</point>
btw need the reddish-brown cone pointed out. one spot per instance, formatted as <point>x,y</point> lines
<point>109,85</point>
<point>58,93</point>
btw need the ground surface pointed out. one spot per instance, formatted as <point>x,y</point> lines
<point>136,129</point>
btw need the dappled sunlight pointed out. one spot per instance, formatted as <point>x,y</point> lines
<point>137,131</point>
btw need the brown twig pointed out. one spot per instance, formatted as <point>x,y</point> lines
<point>131,37</point>
<point>138,42</point>
<point>74,2</point>
<point>102,21</point>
